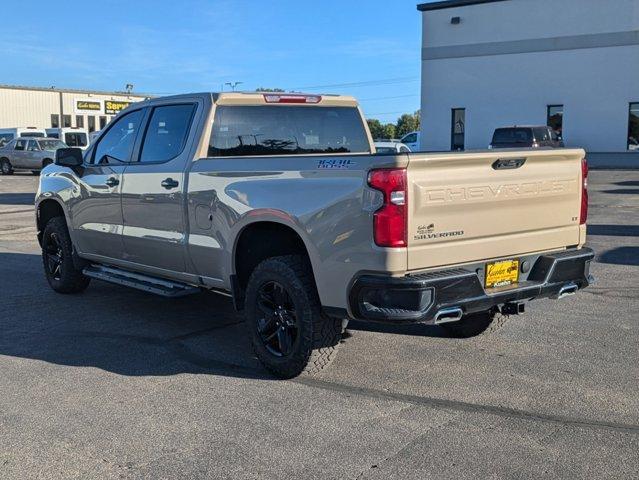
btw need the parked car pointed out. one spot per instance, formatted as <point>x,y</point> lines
<point>28,153</point>
<point>525,137</point>
<point>8,134</point>
<point>412,140</point>
<point>73,137</point>
<point>277,201</point>
<point>391,147</point>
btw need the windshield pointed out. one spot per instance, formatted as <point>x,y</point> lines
<point>32,134</point>
<point>512,135</point>
<point>76,139</point>
<point>51,144</point>
<point>287,130</point>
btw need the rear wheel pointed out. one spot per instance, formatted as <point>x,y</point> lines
<point>288,331</point>
<point>5,167</point>
<point>57,257</point>
<point>475,324</point>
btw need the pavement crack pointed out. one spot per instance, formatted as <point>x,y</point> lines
<point>457,405</point>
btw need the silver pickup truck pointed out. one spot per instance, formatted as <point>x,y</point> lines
<point>280,201</point>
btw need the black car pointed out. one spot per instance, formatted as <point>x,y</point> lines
<point>526,137</point>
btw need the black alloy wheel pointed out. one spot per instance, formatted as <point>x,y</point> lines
<point>54,255</point>
<point>278,327</point>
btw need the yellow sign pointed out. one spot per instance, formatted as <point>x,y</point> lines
<point>501,274</point>
<point>112,107</point>
<point>88,105</point>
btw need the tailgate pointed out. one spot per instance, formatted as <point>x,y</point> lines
<point>466,207</point>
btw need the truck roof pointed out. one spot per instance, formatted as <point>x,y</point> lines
<point>266,98</point>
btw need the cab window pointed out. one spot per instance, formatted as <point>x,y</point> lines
<point>286,130</point>
<point>116,145</point>
<point>33,146</point>
<point>166,132</point>
<point>21,145</point>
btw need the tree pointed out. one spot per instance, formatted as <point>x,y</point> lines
<point>262,89</point>
<point>389,131</point>
<point>408,123</point>
<point>376,128</point>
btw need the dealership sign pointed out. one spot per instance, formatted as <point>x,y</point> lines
<point>88,106</point>
<point>113,107</point>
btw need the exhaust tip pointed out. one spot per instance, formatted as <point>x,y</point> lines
<point>448,315</point>
<point>567,290</point>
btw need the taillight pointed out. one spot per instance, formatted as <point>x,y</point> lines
<point>390,221</point>
<point>285,98</point>
<point>584,192</point>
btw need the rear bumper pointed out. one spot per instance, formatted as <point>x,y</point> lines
<point>422,298</point>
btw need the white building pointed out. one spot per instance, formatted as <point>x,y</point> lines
<point>53,108</point>
<point>572,64</point>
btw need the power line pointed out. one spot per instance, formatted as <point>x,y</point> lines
<point>387,98</point>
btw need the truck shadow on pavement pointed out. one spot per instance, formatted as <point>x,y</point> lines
<point>128,332</point>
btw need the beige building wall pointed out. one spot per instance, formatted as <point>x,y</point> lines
<point>33,107</point>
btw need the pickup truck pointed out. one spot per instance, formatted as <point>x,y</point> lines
<point>281,202</point>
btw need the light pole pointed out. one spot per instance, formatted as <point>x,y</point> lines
<point>233,85</point>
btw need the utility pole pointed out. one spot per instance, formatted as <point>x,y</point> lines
<point>233,85</point>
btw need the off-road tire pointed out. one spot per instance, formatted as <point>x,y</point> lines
<point>473,325</point>
<point>68,279</point>
<point>318,336</point>
<point>5,167</point>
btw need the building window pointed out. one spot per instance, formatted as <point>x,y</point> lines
<point>458,129</point>
<point>633,128</point>
<point>55,120</point>
<point>91,123</point>
<point>79,121</point>
<point>555,119</point>
<point>103,122</point>
<point>66,121</point>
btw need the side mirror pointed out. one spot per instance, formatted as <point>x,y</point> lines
<point>69,157</point>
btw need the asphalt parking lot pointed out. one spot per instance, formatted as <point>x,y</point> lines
<point>116,383</point>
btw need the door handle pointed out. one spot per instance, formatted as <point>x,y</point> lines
<point>169,183</point>
<point>113,182</point>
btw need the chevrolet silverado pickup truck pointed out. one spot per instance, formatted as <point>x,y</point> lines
<point>280,201</point>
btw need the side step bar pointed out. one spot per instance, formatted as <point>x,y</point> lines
<point>146,283</point>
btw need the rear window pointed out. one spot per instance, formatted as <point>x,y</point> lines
<point>76,139</point>
<point>32,134</point>
<point>286,130</point>
<point>5,138</point>
<point>512,135</point>
<point>386,150</point>
<point>51,144</point>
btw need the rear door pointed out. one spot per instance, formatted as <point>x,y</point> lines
<point>18,156</point>
<point>477,206</point>
<point>153,203</point>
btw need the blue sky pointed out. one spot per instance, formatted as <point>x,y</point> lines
<point>370,49</point>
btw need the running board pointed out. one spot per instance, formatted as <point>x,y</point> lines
<point>158,286</point>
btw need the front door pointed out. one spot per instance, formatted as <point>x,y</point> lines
<point>97,214</point>
<point>153,203</point>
